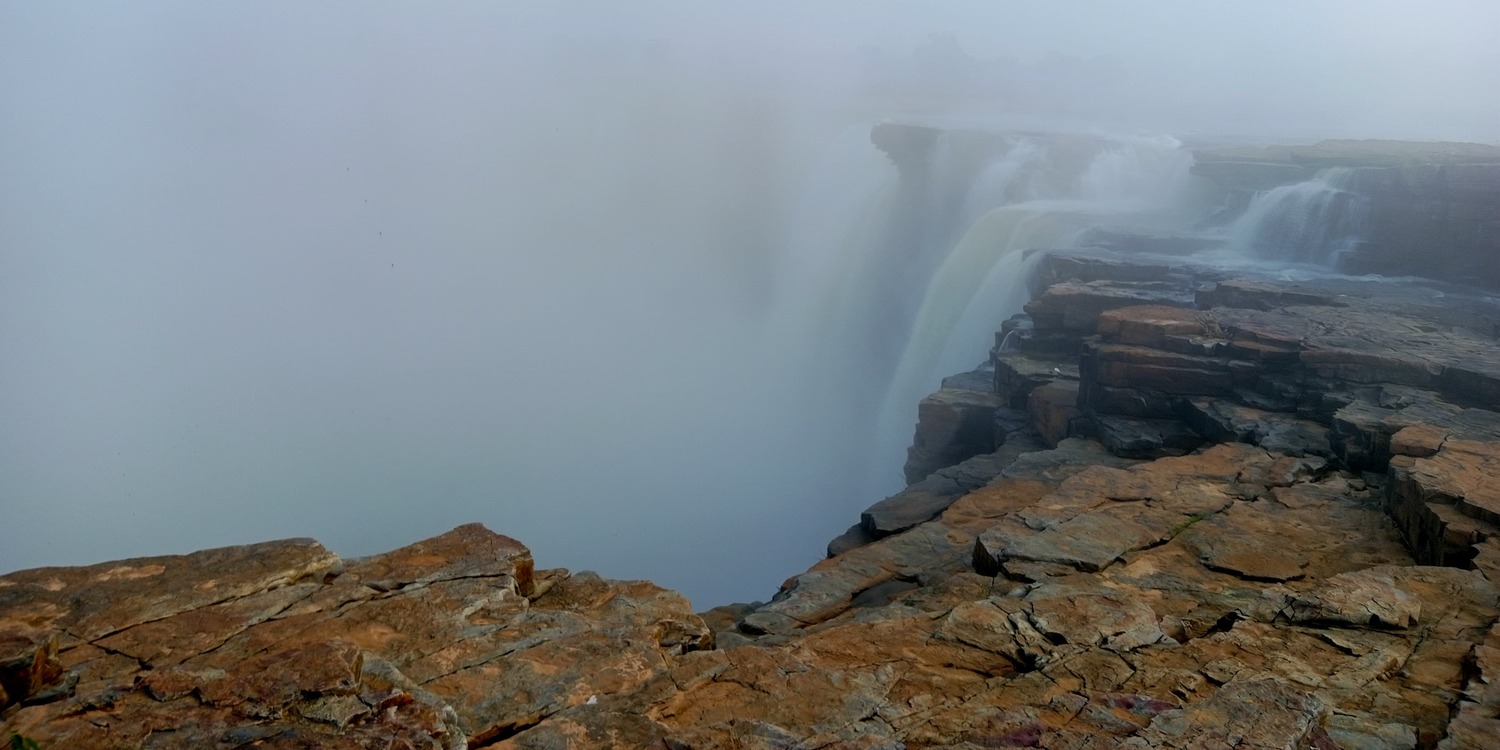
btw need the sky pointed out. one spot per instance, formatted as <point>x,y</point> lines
<point>366,271</point>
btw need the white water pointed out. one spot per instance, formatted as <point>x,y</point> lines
<point>1316,221</point>
<point>903,295</point>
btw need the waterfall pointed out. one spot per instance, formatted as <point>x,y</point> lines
<point>982,280</point>
<point>1001,182</point>
<point>903,276</point>
<point>1316,221</point>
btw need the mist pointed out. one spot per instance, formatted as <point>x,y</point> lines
<point>365,272</point>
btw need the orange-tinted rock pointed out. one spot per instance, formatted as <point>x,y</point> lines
<point>273,644</point>
<point>1418,440</point>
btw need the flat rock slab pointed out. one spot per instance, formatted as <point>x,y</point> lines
<point>130,592</point>
<point>1130,437</point>
<point>1254,563</point>
<point>1075,306</point>
<point>1222,420</point>
<point>281,644</point>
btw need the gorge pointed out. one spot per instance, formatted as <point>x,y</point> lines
<point>1206,489</point>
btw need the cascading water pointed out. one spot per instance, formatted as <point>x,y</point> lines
<point>983,279</point>
<point>916,288</point>
<point>1316,221</point>
<point>998,183</point>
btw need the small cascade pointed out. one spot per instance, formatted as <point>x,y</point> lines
<point>1316,221</point>
<point>1009,342</point>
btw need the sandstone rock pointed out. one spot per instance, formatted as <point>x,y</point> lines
<point>122,594</point>
<point>1222,420</point>
<point>1075,307</point>
<point>1445,503</point>
<point>1147,369</point>
<point>273,644</point>
<point>953,424</point>
<point>1418,440</point>
<point>1145,438</point>
<point>1263,714</point>
<point>1053,407</point>
<point>1017,374</point>
<point>1259,295</point>
<point>927,498</point>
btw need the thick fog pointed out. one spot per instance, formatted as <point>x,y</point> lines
<point>363,272</point>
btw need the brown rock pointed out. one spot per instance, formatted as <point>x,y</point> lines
<point>131,592</point>
<point>1418,440</point>
<point>953,424</point>
<point>469,551</point>
<point>1263,714</point>
<point>1053,407</point>
<point>1075,306</point>
<point>402,647</point>
<point>1148,325</point>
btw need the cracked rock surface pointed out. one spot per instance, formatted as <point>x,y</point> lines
<point>448,643</point>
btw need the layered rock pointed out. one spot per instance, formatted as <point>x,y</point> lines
<point>954,424</point>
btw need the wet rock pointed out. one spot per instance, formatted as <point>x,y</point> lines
<point>1018,374</point>
<point>1075,306</point>
<point>855,536</point>
<point>1145,438</point>
<point>1222,420</point>
<point>1259,295</point>
<point>1052,408</point>
<point>953,424</point>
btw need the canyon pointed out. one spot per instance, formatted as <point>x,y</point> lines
<point>1185,502</point>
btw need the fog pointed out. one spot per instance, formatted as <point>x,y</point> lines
<point>363,272</point>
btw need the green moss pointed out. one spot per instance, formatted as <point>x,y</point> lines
<point>22,742</point>
<point>1181,527</point>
